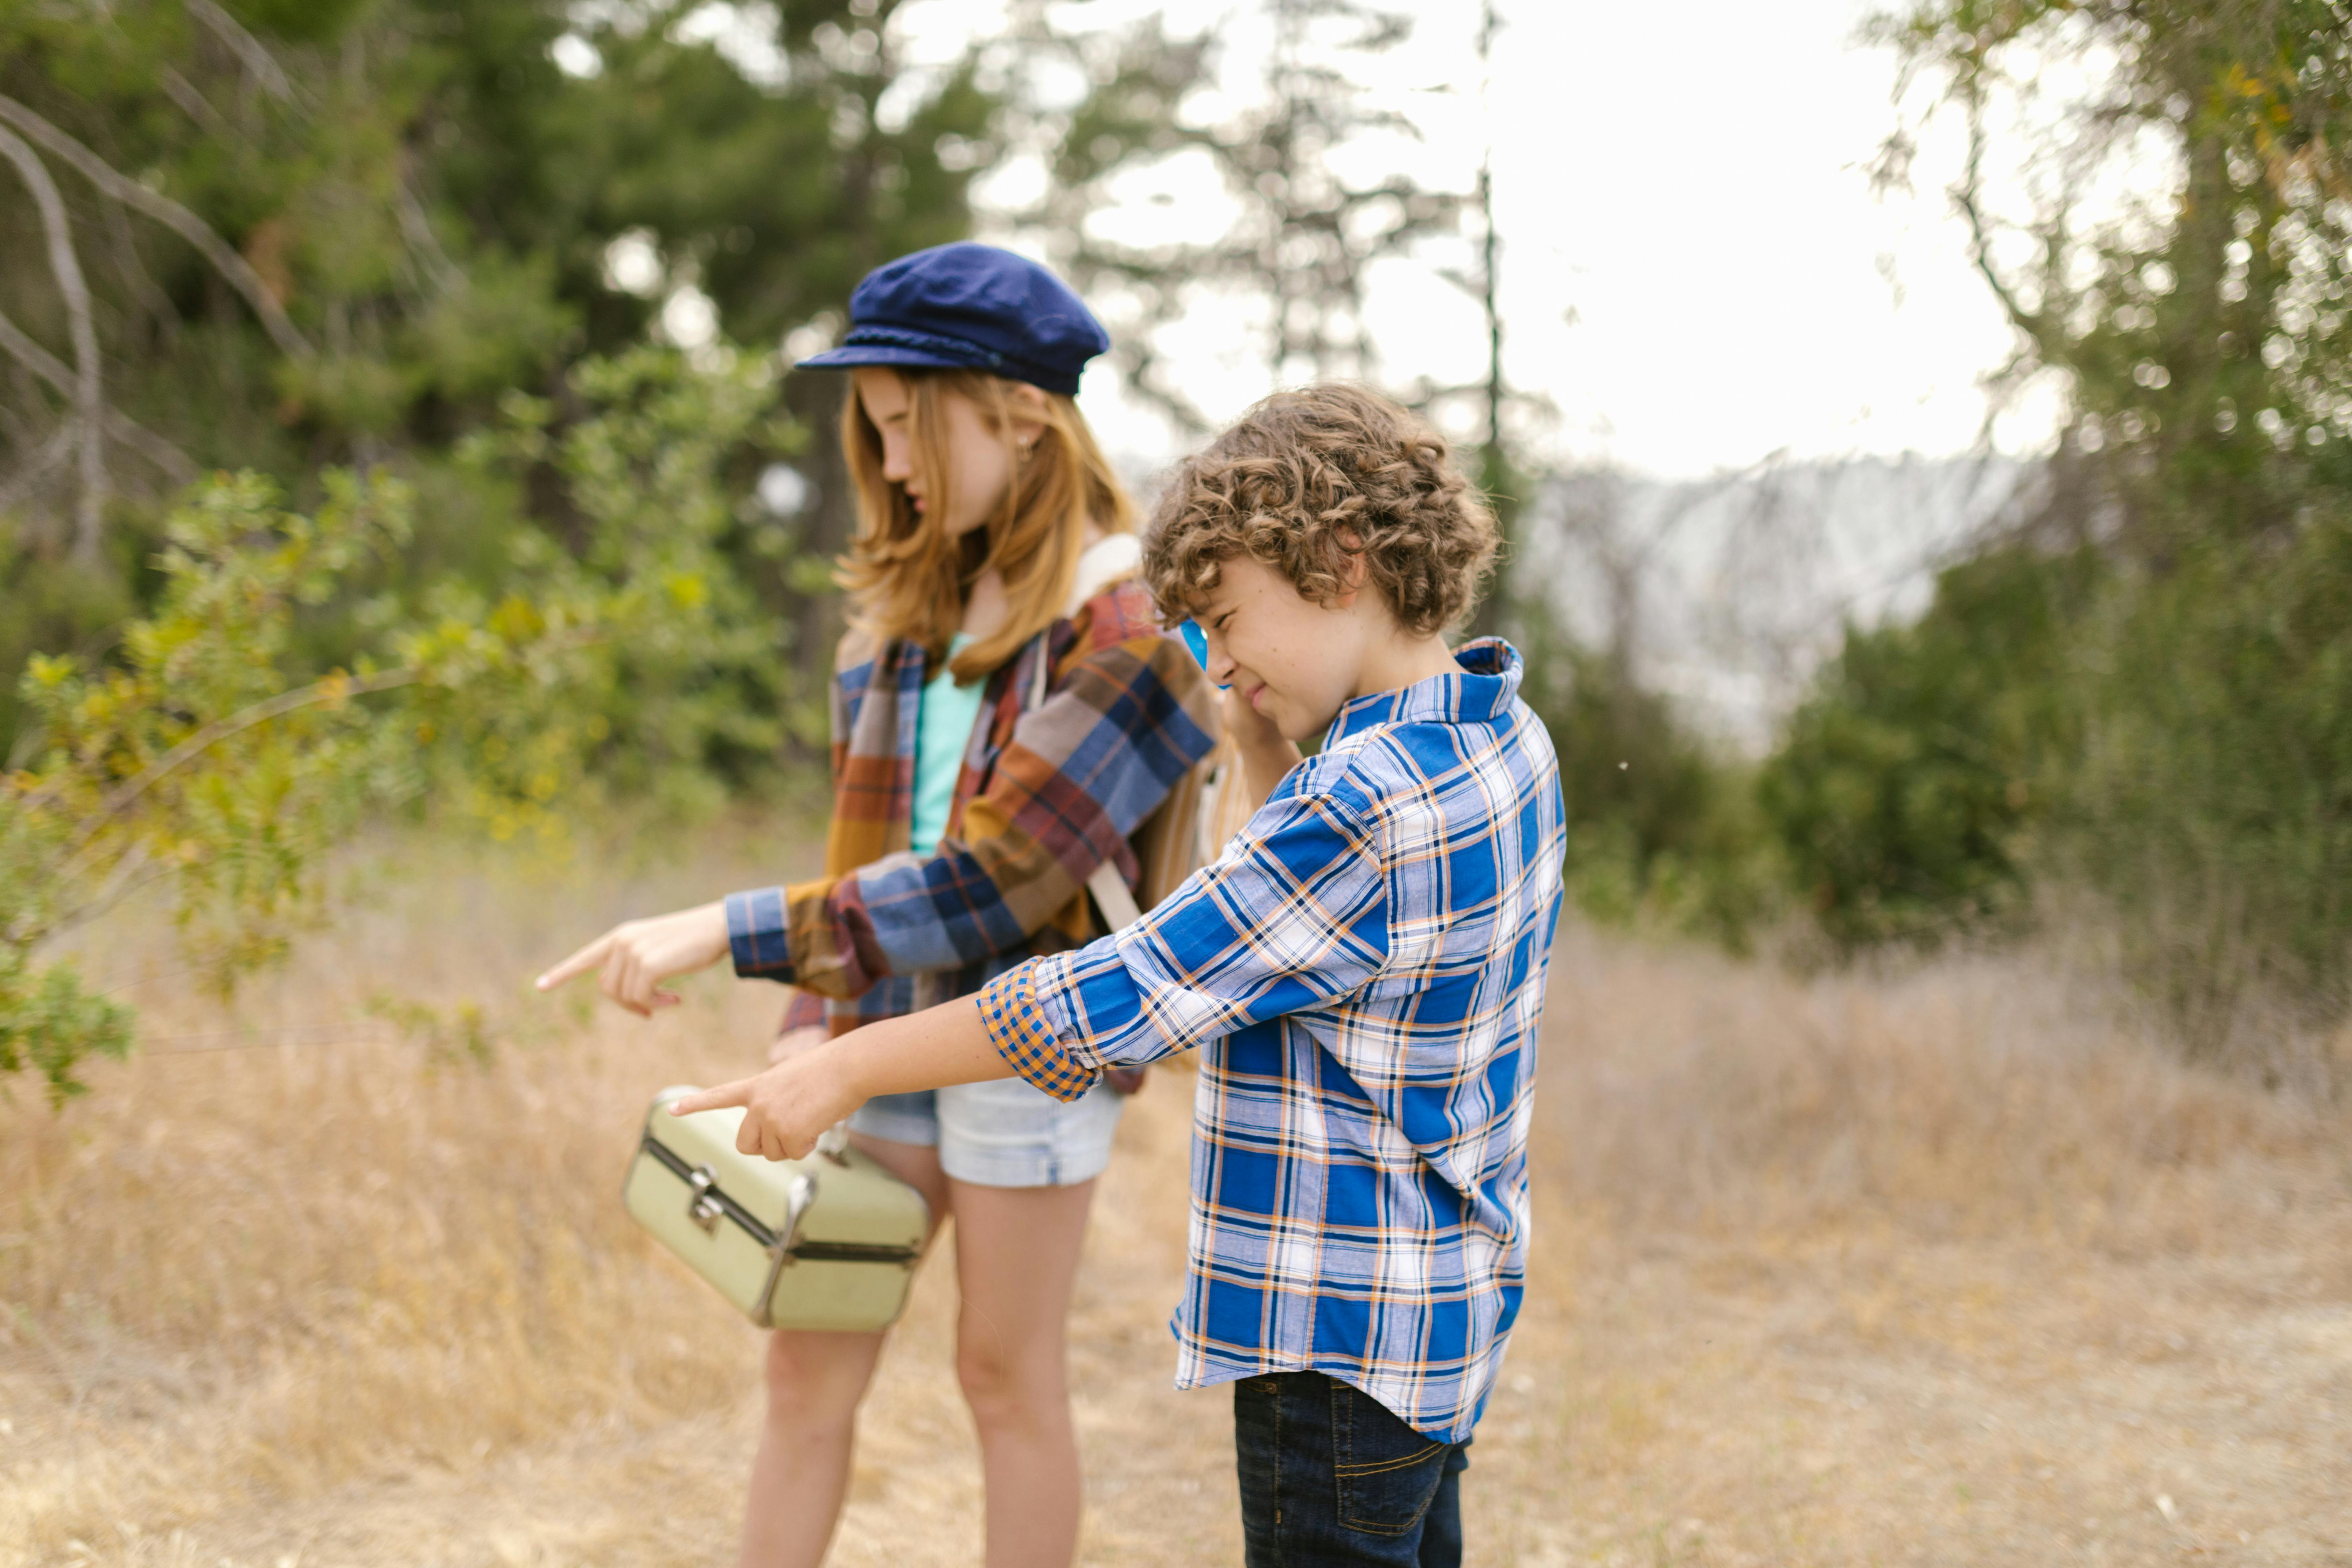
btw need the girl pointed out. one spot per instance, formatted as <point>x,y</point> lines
<point>968,816</point>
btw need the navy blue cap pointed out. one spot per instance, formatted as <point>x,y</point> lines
<point>970,307</point>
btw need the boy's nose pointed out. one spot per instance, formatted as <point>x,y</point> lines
<point>1218,663</point>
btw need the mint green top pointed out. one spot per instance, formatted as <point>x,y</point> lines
<point>942,732</point>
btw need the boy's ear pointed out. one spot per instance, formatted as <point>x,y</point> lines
<point>1351,570</point>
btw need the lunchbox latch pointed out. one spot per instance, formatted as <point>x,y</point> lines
<point>702,1208</point>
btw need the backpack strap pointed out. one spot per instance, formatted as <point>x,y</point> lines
<point>1113,897</point>
<point>1111,558</point>
<point>1108,560</point>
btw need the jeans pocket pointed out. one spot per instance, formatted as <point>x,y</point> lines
<point>1388,1474</point>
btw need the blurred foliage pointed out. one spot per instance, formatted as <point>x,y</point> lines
<point>1905,787</point>
<point>2202,329</point>
<point>461,1034</point>
<point>1662,830</point>
<point>2141,684</point>
<point>648,482</point>
<point>431,195</point>
<point>2212,799</point>
<point>434,204</point>
<point>203,763</point>
<point>492,255</point>
<point>1315,201</point>
<point>2141,688</point>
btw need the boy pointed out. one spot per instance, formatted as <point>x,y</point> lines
<point>1363,969</point>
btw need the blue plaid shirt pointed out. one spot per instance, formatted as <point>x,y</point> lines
<point>1365,967</point>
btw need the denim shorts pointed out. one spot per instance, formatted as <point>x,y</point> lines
<point>1008,1133</point>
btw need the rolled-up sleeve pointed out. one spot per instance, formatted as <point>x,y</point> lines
<point>755,934</point>
<point>1017,1028</point>
<point>1293,916</point>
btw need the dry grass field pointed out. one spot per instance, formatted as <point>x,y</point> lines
<point>1943,1266</point>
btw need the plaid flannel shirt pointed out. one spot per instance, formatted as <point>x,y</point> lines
<point>1365,967</point>
<point>1042,798</point>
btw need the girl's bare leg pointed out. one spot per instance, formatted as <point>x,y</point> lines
<point>1016,1256</point>
<point>814,1382</point>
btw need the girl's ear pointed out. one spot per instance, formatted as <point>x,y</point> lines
<point>1026,413</point>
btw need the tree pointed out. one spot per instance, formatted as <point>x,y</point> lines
<point>2171,243</point>
<point>1905,789</point>
<point>1303,240</point>
<point>1500,475</point>
<point>2198,318</point>
<point>409,204</point>
<point>289,236</point>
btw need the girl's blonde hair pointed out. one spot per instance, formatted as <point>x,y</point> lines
<point>906,575</point>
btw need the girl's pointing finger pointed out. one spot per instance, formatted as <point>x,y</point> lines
<point>580,963</point>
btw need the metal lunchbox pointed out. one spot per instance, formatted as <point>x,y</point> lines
<point>826,1242</point>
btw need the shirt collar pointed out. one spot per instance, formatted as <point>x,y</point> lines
<point>1485,685</point>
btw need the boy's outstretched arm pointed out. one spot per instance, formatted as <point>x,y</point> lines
<point>1293,915</point>
<point>788,1107</point>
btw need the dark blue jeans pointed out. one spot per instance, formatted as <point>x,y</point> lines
<point>1331,1477</point>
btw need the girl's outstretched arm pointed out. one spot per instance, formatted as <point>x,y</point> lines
<point>1126,717</point>
<point>788,1107</point>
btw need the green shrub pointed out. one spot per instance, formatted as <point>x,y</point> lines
<point>205,758</point>
<point>52,602</point>
<point>1903,789</point>
<point>2212,803</point>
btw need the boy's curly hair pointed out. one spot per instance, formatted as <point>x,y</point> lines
<point>1308,479</point>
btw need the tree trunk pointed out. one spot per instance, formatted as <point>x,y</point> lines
<point>89,392</point>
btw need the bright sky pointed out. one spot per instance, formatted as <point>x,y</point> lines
<point>1694,268</point>
<point>1695,271</point>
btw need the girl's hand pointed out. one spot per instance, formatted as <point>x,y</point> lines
<point>792,1042</point>
<point>1251,730</point>
<point>635,958</point>
<point>1267,754</point>
<point>785,1108</point>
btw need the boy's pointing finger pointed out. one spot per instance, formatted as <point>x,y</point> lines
<point>726,1094</point>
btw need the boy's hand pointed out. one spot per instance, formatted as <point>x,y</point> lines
<point>785,1108</point>
<point>637,957</point>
